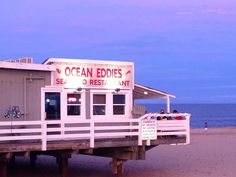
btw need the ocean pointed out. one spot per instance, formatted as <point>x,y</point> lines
<point>216,115</point>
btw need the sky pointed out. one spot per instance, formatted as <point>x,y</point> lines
<point>184,47</point>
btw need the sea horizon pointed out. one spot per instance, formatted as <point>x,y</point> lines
<point>215,114</point>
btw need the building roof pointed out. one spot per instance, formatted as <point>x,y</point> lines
<point>144,92</point>
<point>69,60</point>
<point>139,92</point>
<point>26,66</point>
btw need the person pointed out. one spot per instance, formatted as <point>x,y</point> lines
<point>178,117</point>
<point>205,127</point>
<point>162,117</point>
<point>161,112</point>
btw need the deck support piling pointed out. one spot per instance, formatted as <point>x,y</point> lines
<point>3,168</point>
<point>4,159</point>
<point>12,160</point>
<point>33,158</point>
<point>117,166</point>
<point>62,161</point>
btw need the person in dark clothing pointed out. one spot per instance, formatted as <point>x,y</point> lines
<point>178,117</point>
<point>205,127</point>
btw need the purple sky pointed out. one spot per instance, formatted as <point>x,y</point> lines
<point>185,47</point>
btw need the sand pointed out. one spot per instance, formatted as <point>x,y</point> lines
<point>209,155</point>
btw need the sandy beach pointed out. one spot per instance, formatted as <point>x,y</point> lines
<point>209,155</point>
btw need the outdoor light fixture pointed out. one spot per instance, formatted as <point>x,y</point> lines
<point>79,89</point>
<point>145,93</point>
<point>117,89</point>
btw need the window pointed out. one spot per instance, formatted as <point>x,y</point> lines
<point>99,104</point>
<point>118,104</point>
<point>73,104</point>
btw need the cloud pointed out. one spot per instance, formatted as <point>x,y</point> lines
<point>222,98</point>
<point>23,30</point>
<point>218,11</point>
<point>184,13</point>
<point>187,77</point>
<point>230,98</point>
<point>207,11</point>
<point>220,87</point>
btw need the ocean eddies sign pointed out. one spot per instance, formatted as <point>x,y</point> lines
<point>94,75</point>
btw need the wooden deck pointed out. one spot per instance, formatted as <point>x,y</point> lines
<point>120,139</point>
<point>119,150</point>
<point>75,145</point>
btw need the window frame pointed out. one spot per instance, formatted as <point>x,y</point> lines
<point>99,104</point>
<point>82,103</point>
<point>115,104</point>
<point>109,103</point>
<point>73,104</point>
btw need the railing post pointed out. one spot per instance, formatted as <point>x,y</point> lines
<point>168,104</point>
<point>44,135</point>
<point>188,129</point>
<point>92,132</point>
<point>140,141</point>
<point>148,141</point>
<point>62,124</point>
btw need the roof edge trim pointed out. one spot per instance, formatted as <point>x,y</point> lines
<point>27,66</point>
<point>154,90</point>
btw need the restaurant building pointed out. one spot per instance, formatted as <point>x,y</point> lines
<point>66,106</point>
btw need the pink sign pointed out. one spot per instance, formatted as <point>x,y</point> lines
<point>94,75</point>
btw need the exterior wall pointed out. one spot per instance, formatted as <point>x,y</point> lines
<point>22,88</point>
<point>87,104</point>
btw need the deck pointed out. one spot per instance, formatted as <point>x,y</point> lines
<point>120,139</point>
<point>75,145</point>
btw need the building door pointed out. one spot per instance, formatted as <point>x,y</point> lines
<point>52,104</point>
<point>32,98</point>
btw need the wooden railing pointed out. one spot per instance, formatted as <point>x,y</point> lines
<point>20,130</point>
<point>171,126</point>
<point>90,129</point>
